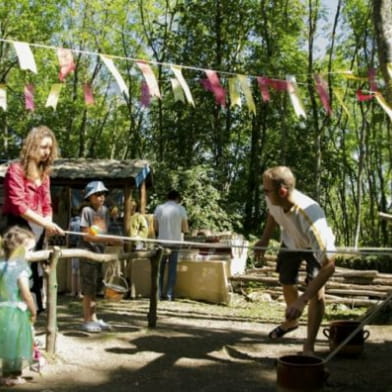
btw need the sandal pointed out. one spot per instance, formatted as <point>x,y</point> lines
<point>104,326</point>
<point>91,326</point>
<point>279,332</point>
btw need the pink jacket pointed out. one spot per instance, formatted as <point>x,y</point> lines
<point>21,194</point>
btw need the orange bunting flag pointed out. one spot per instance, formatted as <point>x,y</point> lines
<point>234,92</point>
<point>177,90</point>
<point>383,103</point>
<point>66,62</point>
<point>53,97</point>
<point>88,94</point>
<point>215,87</point>
<point>29,97</point>
<point>351,76</point>
<point>322,90</point>
<point>294,96</point>
<point>263,86</point>
<point>244,83</point>
<point>178,74</point>
<point>338,95</point>
<point>113,70</point>
<point>150,79</point>
<point>3,96</point>
<point>25,56</point>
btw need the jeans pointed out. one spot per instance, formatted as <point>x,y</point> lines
<point>171,260</point>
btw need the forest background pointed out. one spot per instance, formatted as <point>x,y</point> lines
<point>215,154</point>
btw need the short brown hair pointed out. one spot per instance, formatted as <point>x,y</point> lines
<point>280,176</point>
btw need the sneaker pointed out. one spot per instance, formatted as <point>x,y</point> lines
<point>104,326</point>
<point>91,326</point>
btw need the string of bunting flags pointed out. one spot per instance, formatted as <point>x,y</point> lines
<point>239,85</point>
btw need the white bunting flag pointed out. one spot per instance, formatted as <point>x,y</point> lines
<point>25,56</point>
<point>177,90</point>
<point>112,68</point>
<point>383,103</point>
<point>178,74</point>
<point>3,96</point>
<point>294,97</point>
<point>53,97</point>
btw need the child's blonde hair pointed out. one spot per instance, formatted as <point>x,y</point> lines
<point>14,237</point>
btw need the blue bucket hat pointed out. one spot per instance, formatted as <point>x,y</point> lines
<point>94,187</point>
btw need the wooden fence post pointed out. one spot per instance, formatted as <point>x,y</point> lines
<point>155,261</point>
<point>51,289</point>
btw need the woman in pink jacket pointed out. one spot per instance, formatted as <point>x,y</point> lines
<point>27,200</point>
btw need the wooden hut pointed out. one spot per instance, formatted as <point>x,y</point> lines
<point>130,178</point>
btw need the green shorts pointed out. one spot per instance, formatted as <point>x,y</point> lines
<point>90,277</point>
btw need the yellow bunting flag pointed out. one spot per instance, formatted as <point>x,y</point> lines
<point>389,69</point>
<point>351,76</point>
<point>178,74</point>
<point>177,90</point>
<point>3,96</point>
<point>113,70</point>
<point>25,56</point>
<point>244,83</point>
<point>294,96</point>
<point>53,97</point>
<point>149,78</point>
<point>234,91</point>
<point>338,95</point>
<point>384,104</point>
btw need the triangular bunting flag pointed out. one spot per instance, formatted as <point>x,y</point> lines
<point>54,96</point>
<point>66,62</point>
<point>88,94</point>
<point>149,78</point>
<point>338,95</point>
<point>234,92</point>
<point>244,82</point>
<point>145,97</point>
<point>389,69</point>
<point>216,87</point>
<point>263,86</point>
<point>3,96</point>
<point>383,103</point>
<point>372,80</point>
<point>178,73</point>
<point>112,68</point>
<point>322,90</point>
<point>294,97</point>
<point>25,56</point>
<point>363,97</point>
<point>177,90</point>
<point>29,97</point>
<point>351,76</point>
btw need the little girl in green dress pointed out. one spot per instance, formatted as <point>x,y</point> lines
<point>17,307</point>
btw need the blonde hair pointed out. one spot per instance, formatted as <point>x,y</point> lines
<point>30,150</point>
<point>13,238</point>
<point>280,176</point>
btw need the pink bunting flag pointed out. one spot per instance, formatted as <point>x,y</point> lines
<point>372,80</point>
<point>88,94</point>
<point>277,84</point>
<point>66,62</point>
<point>322,90</point>
<point>362,97</point>
<point>150,78</point>
<point>29,97</point>
<point>262,81</point>
<point>216,88</point>
<point>145,97</point>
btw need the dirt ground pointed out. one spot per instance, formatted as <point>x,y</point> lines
<point>195,347</point>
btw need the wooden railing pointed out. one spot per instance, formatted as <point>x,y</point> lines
<point>52,257</point>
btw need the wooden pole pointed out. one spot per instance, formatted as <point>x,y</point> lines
<point>155,261</point>
<point>51,289</point>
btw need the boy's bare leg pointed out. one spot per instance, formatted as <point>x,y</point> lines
<point>290,294</point>
<point>89,308</point>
